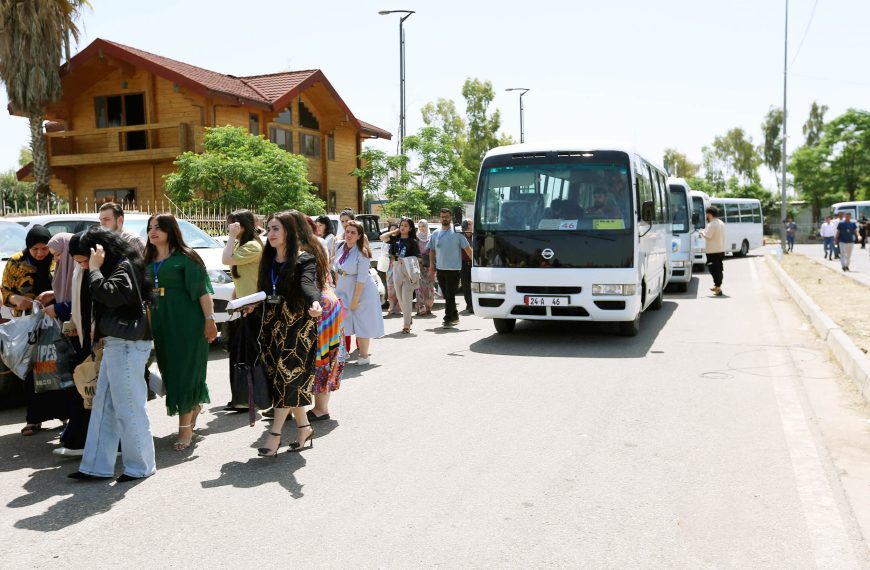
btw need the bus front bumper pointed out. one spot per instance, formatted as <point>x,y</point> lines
<point>681,268</point>
<point>573,287</point>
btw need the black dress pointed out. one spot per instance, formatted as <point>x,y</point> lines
<point>289,340</point>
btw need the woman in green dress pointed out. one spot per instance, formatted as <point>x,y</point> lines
<point>182,321</point>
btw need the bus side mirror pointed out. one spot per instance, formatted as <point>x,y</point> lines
<point>648,211</point>
<point>695,218</point>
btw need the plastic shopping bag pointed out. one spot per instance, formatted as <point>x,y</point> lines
<point>54,360</point>
<point>18,343</point>
<point>86,374</point>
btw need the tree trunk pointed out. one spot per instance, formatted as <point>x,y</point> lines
<point>41,173</point>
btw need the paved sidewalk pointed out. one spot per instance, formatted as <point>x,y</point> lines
<point>859,269</point>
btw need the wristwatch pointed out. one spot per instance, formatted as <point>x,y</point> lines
<point>210,317</point>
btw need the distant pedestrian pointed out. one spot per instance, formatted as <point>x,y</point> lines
<point>465,275</point>
<point>324,231</point>
<point>343,218</point>
<point>403,248</point>
<point>790,231</point>
<point>445,261</point>
<point>112,218</point>
<point>863,227</point>
<point>426,287</point>
<point>358,290</point>
<point>394,307</point>
<point>714,236</point>
<point>847,235</point>
<point>840,217</point>
<point>827,231</point>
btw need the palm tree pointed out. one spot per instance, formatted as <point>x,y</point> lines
<point>34,37</point>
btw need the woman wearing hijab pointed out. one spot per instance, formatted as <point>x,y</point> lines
<point>426,288</point>
<point>26,276</point>
<point>69,306</point>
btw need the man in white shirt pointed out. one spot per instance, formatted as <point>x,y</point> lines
<point>827,231</point>
<point>714,236</point>
<point>112,218</point>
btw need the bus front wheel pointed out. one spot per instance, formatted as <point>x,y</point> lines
<point>744,249</point>
<point>657,302</point>
<point>504,326</point>
<point>630,328</point>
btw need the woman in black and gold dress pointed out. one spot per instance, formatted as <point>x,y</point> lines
<point>292,280</point>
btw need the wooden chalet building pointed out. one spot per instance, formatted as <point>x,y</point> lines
<point>126,114</point>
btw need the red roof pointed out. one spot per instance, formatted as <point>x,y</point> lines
<point>273,91</point>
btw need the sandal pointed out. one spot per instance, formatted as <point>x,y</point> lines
<point>31,429</point>
<point>182,445</point>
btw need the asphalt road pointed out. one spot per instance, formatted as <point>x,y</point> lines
<point>720,437</point>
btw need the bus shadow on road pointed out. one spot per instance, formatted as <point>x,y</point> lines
<point>569,339</point>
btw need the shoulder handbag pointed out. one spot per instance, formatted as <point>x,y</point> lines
<point>127,328</point>
<point>411,267</point>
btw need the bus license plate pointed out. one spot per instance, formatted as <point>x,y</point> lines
<point>547,301</point>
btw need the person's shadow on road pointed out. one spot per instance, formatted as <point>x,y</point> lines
<point>258,471</point>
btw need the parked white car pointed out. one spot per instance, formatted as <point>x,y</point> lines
<point>209,249</point>
<point>12,237</point>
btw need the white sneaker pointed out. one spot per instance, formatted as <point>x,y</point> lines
<point>363,361</point>
<point>65,452</point>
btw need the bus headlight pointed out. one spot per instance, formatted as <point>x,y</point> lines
<point>608,289</point>
<point>678,264</point>
<point>218,276</point>
<point>487,288</point>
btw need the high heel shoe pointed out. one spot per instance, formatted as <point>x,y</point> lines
<point>296,447</point>
<point>182,445</point>
<point>268,451</point>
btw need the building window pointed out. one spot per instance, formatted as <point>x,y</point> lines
<point>309,145</point>
<point>254,124</point>
<point>307,118</point>
<point>123,196</point>
<point>330,147</point>
<point>285,117</point>
<point>282,138</point>
<point>333,201</point>
<point>123,111</point>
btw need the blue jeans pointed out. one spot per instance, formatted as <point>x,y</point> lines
<point>789,240</point>
<point>119,413</point>
<point>829,246</point>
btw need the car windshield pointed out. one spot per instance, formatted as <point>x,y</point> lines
<point>558,196</point>
<point>193,236</point>
<point>11,239</point>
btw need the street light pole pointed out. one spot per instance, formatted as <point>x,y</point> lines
<point>407,15</point>
<point>782,208</point>
<point>523,91</point>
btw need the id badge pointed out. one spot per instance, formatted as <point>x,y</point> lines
<point>273,300</point>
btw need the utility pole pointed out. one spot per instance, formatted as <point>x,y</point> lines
<point>407,15</point>
<point>782,208</point>
<point>523,91</point>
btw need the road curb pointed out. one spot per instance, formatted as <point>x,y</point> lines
<point>854,362</point>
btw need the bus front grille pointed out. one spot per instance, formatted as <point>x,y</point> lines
<point>569,312</point>
<point>524,310</point>
<point>610,305</point>
<point>548,290</point>
<point>491,302</point>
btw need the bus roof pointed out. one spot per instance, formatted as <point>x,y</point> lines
<point>679,182</point>
<point>568,146</point>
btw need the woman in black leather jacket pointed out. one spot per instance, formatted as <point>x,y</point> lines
<point>116,279</point>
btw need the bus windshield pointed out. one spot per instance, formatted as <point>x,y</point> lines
<point>698,208</point>
<point>555,196</point>
<point>679,213</point>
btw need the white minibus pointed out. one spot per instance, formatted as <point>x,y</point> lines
<point>857,209</point>
<point>680,253</point>
<point>700,203</point>
<point>743,223</point>
<point>569,232</point>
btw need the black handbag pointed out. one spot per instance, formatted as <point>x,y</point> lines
<point>248,377</point>
<point>127,328</point>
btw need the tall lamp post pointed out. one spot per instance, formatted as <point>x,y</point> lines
<point>407,14</point>
<point>523,91</point>
<point>782,207</point>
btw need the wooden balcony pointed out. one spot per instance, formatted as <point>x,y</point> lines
<point>115,145</point>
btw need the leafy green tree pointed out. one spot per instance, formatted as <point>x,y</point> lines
<point>815,124</point>
<point>440,171</point>
<point>483,126</point>
<point>34,36</point>
<point>809,167</point>
<point>731,156</point>
<point>14,192</point>
<point>679,165</point>
<point>443,114</point>
<point>237,169</point>
<point>25,156</point>
<point>771,149</point>
<point>372,172</point>
<point>847,139</point>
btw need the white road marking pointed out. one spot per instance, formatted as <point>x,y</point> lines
<point>827,532</point>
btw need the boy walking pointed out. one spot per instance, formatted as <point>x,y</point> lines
<point>847,235</point>
<point>714,236</point>
<point>827,232</point>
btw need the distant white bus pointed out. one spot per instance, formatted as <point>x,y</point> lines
<point>857,209</point>
<point>743,223</point>
<point>680,255</point>
<point>700,203</point>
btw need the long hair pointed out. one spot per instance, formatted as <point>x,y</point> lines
<point>117,250</point>
<point>308,242</point>
<point>327,223</point>
<point>363,242</point>
<point>244,218</point>
<point>412,235</point>
<point>167,223</point>
<point>285,286</point>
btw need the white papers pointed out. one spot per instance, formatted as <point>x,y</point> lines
<point>236,304</point>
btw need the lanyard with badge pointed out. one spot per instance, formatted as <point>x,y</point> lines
<point>158,290</point>
<point>275,298</point>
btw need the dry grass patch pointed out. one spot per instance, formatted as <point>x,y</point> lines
<point>844,300</point>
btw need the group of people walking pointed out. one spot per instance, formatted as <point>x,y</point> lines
<point>840,235</point>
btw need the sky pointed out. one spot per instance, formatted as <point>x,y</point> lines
<point>655,75</point>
